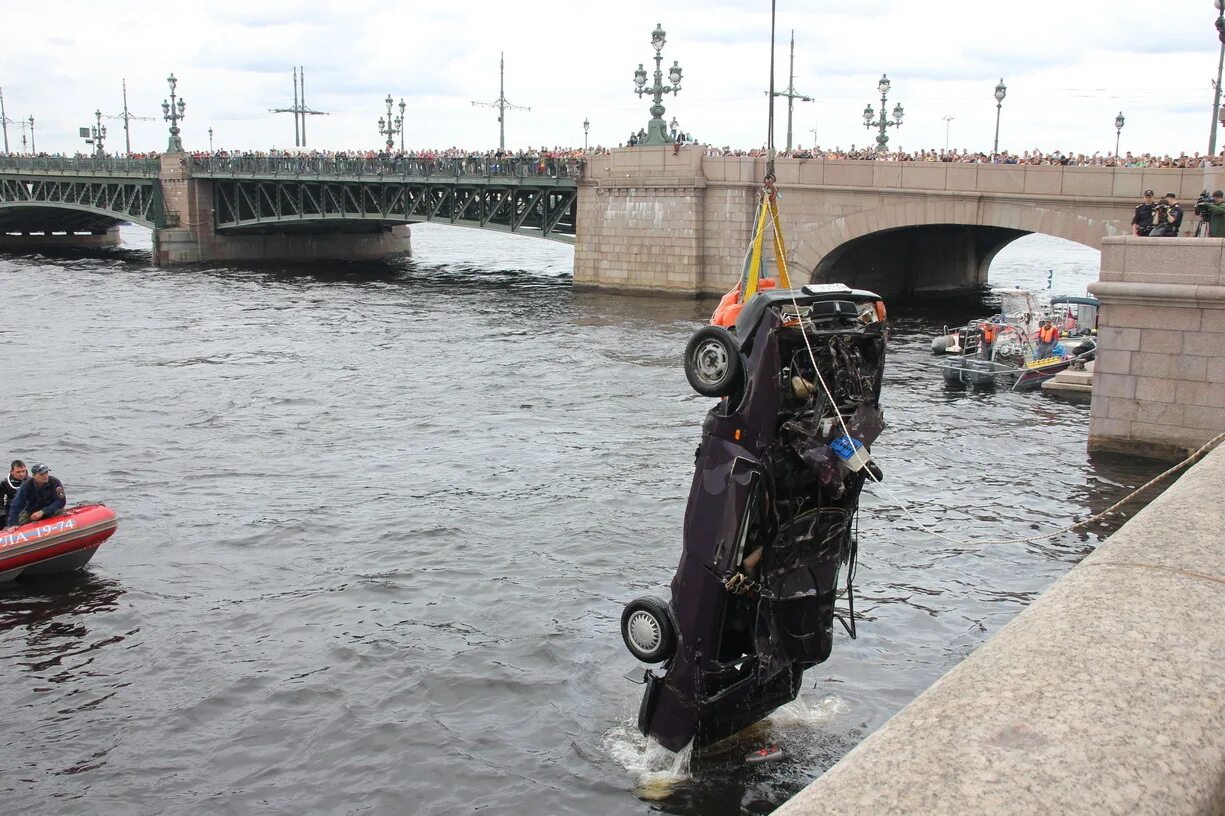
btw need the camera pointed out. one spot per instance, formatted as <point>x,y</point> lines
<point>1201,205</point>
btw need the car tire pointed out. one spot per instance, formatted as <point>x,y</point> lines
<point>648,629</point>
<point>712,362</point>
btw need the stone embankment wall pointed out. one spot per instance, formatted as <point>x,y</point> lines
<point>1106,696</point>
<point>1159,381</point>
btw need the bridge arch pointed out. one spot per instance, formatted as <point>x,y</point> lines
<point>931,244</point>
<point>62,216</point>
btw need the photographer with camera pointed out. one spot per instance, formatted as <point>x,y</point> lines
<point>1201,212</point>
<point>1167,217</point>
<point>1142,221</point>
<point>1214,213</point>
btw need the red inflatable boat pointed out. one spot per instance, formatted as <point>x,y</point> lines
<point>58,544</point>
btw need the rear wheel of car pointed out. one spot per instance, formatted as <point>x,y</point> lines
<point>712,362</point>
<point>648,630</point>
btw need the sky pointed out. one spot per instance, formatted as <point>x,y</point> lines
<point>1070,66</point>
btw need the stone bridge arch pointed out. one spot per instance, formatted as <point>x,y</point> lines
<point>930,244</point>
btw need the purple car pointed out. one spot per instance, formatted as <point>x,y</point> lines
<point>770,523</point>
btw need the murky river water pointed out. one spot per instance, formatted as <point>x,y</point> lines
<point>378,523</point>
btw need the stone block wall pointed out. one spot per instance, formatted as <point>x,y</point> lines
<point>1159,381</point>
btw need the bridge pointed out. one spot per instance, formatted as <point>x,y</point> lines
<point>652,220</point>
<point>279,208</point>
<point>646,219</point>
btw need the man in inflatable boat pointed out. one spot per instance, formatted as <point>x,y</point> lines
<point>9,486</point>
<point>41,496</point>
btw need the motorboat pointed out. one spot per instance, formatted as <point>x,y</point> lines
<point>62,543</point>
<point>769,538</point>
<point>1012,363</point>
<point>1073,316</point>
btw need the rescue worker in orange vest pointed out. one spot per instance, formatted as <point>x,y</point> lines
<point>987,331</point>
<point>1048,336</point>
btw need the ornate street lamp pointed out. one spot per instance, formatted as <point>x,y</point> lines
<point>657,129</point>
<point>98,132</point>
<point>1118,132</point>
<point>210,140</point>
<point>390,126</point>
<point>172,112</point>
<point>586,127</point>
<point>1001,91</point>
<point>869,115</point>
<point>1216,102</point>
<point>33,149</point>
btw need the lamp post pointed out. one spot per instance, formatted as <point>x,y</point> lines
<point>210,140</point>
<point>1118,133</point>
<point>1001,91</point>
<point>586,127</point>
<point>948,118</point>
<point>172,112</point>
<point>869,115</point>
<point>401,120</point>
<point>1216,102</point>
<point>98,131</point>
<point>390,126</point>
<point>657,130</point>
<point>33,149</point>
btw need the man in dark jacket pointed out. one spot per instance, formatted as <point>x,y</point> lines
<point>1142,221</point>
<point>39,497</point>
<point>9,486</point>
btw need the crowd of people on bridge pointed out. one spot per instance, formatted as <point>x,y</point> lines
<point>963,156</point>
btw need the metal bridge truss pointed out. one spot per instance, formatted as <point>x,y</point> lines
<point>543,208</point>
<point>137,200</point>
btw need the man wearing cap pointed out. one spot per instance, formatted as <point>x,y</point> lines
<point>1142,221</point>
<point>1173,215</point>
<point>1216,215</point>
<point>41,496</point>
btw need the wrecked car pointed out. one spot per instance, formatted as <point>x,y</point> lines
<point>770,524</point>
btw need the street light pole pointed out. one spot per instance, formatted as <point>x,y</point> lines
<point>1216,102</point>
<point>33,149</point>
<point>1118,133</point>
<point>869,122</point>
<point>657,129</point>
<point>948,117</point>
<point>210,140</point>
<point>791,94</point>
<point>99,133</point>
<point>391,126</point>
<point>1001,91</point>
<point>172,112</point>
<point>402,106</point>
<point>586,127</point>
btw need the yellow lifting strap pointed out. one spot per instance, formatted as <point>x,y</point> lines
<point>766,208</point>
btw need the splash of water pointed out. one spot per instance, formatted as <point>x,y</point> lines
<point>658,771</point>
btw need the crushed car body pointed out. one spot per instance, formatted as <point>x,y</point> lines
<point>769,531</point>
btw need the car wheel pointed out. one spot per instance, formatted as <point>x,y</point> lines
<point>712,362</point>
<point>648,630</point>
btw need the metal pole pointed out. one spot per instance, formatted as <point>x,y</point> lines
<point>296,108</point>
<point>33,149</point>
<point>402,107</point>
<point>502,100</point>
<point>302,77</point>
<point>948,120</point>
<point>791,91</point>
<point>4,122</point>
<point>1118,134</point>
<point>883,140</point>
<point>996,149</point>
<point>1216,102</point>
<point>127,135</point>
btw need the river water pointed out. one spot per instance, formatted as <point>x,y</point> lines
<point>377,524</point>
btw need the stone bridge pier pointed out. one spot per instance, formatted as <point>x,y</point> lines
<point>191,236</point>
<point>656,222</point>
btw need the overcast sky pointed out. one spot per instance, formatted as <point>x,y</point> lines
<point>1070,66</point>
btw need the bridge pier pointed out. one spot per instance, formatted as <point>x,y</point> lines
<point>50,239</point>
<point>191,237</point>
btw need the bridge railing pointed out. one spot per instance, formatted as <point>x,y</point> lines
<point>394,167</point>
<point>82,165</point>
